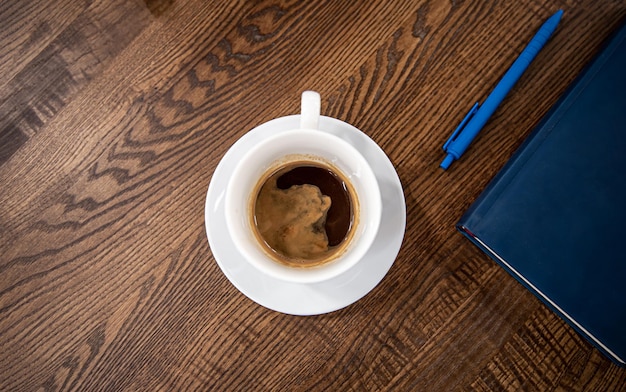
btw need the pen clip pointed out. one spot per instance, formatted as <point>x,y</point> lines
<point>462,125</point>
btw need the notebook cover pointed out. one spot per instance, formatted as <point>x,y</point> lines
<point>554,217</point>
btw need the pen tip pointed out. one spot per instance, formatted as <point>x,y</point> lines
<point>558,14</point>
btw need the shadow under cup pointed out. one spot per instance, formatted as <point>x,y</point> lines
<point>283,149</point>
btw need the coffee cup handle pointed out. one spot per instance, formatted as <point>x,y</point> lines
<point>310,110</point>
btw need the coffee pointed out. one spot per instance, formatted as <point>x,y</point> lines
<point>304,212</point>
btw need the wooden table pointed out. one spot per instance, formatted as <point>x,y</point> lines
<point>114,115</point>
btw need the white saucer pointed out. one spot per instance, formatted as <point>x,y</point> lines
<point>316,298</point>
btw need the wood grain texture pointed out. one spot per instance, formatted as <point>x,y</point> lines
<point>113,117</point>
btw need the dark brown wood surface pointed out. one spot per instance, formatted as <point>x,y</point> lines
<point>113,117</point>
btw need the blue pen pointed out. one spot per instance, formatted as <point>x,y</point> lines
<point>479,114</point>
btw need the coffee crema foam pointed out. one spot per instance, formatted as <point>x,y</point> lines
<point>292,220</point>
<point>303,213</point>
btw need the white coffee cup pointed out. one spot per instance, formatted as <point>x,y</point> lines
<point>313,144</point>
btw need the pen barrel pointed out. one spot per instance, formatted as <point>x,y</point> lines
<point>532,49</point>
<point>466,132</point>
<point>520,65</point>
<point>512,75</point>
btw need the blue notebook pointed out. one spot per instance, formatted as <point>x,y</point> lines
<point>555,216</point>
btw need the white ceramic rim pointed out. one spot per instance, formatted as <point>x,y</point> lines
<point>303,142</point>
